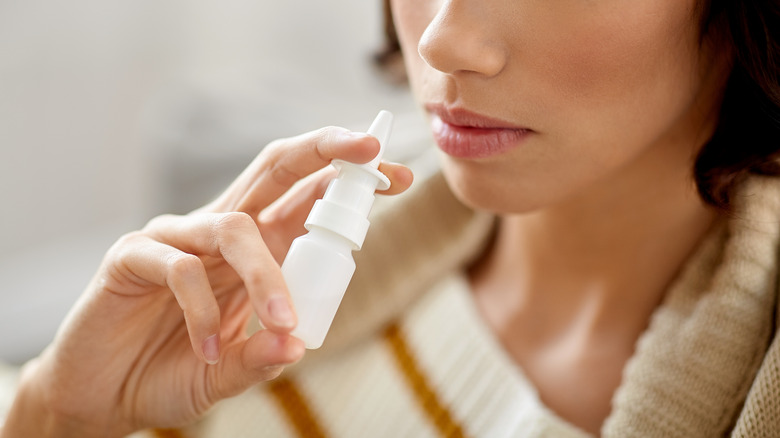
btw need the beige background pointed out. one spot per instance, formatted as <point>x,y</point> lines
<point>114,111</point>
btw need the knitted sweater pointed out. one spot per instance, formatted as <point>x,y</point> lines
<point>408,356</point>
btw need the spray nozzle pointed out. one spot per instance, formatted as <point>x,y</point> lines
<point>380,128</point>
<point>344,208</point>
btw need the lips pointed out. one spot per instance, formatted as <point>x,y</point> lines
<point>465,134</point>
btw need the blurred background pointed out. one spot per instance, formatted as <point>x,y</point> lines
<point>112,112</point>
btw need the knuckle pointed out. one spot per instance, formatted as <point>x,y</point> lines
<point>123,247</point>
<point>314,142</point>
<point>184,265</point>
<point>272,227</point>
<point>204,314</point>
<point>326,136</point>
<point>236,220</point>
<point>130,238</point>
<point>283,175</point>
<point>254,282</point>
<point>318,136</point>
<point>116,271</point>
<point>158,221</point>
<point>229,228</point>
<point>276,147</point>
<point>328,133</point>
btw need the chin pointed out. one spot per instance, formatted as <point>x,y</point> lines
<point>491,193</point>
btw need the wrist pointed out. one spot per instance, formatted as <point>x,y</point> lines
<point>34,413</point>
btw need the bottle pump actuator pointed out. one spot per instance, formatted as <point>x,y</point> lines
<point>319,264</point>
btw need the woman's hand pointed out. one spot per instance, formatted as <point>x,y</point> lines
<point>159,335</point>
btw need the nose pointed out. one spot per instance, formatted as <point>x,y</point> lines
<point>458,41</point>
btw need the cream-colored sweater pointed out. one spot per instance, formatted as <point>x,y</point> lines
<point>408,356</point>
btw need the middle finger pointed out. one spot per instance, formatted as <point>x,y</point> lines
<point>235,238</point>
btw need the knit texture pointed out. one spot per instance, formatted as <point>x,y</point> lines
<point>703,368</point>
<point>761,416</point>
<point>408,356</point>
<point>694,365</point>
<point>437,371</point>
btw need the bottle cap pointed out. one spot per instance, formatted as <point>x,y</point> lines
<point>344,208</point>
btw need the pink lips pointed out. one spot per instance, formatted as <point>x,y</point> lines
<point>464,134</point>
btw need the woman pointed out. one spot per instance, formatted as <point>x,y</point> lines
<point>606,296</point>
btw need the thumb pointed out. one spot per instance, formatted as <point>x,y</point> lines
<point>259,358</point>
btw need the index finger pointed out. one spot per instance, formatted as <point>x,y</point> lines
<point>286,161</point>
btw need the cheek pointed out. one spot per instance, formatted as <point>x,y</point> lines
<point>410,19</point>
<point>622,68</point>
<point>612,88</point>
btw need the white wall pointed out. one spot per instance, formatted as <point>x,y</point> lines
<point>112,112</point>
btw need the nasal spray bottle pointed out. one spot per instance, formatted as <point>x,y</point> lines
<point>319,265</point>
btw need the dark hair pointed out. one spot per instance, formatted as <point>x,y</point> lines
<point>747,138</point>
<point>388,58</point>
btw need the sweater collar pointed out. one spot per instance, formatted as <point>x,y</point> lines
<point>694,364</point>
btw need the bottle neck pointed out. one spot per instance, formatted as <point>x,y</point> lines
<point>358,174</point>
<point>333,240</point>
<point>353,188</point>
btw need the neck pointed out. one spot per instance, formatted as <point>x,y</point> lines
<point>605,256</point>
<point>600,261</point>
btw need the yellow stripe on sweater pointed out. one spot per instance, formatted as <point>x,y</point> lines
<point>438,414</point>
<point>168,433</point>
<point>296,408</point>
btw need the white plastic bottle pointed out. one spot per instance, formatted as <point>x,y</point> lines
<point>319,264</point>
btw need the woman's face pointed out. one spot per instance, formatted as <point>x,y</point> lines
<point>538,101</point>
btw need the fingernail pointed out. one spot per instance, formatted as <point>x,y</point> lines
<point>280,312</point>
<point>211,349</point>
